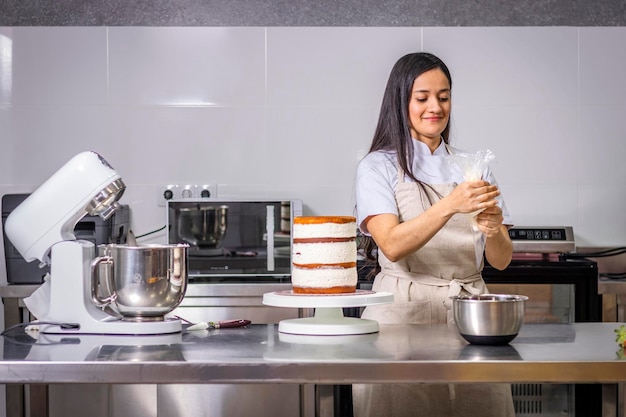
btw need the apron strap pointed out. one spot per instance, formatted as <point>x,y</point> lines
<point>455,286</point>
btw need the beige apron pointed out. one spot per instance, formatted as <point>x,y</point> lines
<point>422,284</point>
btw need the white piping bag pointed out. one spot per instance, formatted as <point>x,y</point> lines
<point>473,166</point>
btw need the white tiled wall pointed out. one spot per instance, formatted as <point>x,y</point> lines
<point>287,112</point>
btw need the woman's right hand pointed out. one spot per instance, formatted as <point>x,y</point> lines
<point>471,196</point>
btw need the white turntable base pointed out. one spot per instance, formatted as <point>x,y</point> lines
<point>328,318</point>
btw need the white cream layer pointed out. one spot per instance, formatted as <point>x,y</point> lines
<point>323,277</point>
<point>324,253</point>
<point>304,231</point>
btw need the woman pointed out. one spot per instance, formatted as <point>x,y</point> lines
<point>419,213</point>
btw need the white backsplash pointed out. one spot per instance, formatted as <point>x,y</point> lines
<point>287,112</point>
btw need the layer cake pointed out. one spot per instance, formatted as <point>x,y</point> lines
<point>324,255</point>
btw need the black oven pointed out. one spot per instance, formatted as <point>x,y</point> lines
<point>581,275</point>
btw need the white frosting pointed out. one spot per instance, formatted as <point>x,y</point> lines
<point>323,277</point>
<point>324,253</point>
<point>303,231</point>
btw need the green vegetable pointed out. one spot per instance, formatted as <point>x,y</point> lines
<point>621,336</point>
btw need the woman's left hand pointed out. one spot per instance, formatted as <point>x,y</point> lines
<point>489,221</point>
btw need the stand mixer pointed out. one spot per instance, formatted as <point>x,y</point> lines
<point>42,228</point>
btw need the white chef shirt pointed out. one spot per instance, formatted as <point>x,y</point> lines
<point>377,178</point>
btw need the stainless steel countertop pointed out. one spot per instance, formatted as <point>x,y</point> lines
<point>547,353</point>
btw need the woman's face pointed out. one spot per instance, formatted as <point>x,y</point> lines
<point>429,107</point>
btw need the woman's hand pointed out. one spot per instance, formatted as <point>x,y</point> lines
<point>489,221</point>
<point>498,246</point>
<point>471,196</point>
<point>480,195</point>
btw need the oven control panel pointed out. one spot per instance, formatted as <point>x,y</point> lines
<point>543,239</point>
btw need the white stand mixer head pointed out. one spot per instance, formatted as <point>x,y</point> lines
<point>86,184</point>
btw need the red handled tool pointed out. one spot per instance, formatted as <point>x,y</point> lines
<point>228,324</point>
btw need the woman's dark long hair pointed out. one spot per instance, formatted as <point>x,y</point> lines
<point>393,131</point>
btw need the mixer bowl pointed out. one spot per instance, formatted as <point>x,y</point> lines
<point>202,226</point>
<point>140,283</point>
<point>489,319</point>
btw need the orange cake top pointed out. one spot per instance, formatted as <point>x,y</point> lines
<point>324,219</point>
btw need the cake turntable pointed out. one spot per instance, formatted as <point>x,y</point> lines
<point>328,319</point>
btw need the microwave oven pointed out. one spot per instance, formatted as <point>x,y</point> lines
<point>233,239</point>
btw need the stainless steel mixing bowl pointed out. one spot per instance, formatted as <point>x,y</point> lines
<point>140,283</point>
<point>489,319</point>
